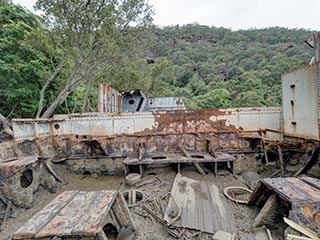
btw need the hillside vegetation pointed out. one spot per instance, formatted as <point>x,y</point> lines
<point>216,67</point>
<point>58,61</point>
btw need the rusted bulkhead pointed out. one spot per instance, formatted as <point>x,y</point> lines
<point>20,177</point>
<point>111,137</point>
<point>119,134</point>
<point>301,102</point>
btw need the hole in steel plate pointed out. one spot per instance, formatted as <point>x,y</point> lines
<point>197,156</point>
<point>26,178</point>
<point>158,157</point>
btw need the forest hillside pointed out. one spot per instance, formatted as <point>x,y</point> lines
<point>216,67</point>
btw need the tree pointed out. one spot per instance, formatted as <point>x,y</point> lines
<point>250,99</point>
<point>88,35</point>
<point>215,98</point>
<point>21,64</point>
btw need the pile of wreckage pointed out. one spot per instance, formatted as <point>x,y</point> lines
<point>131,132</point>
<point>191,210</point>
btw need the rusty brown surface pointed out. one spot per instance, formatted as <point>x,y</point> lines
<point>315,182</point>
<point>127,145</point>
<point>38,221</point>
<point>307,215</point>
<point>72,213</point>
<point>293,190</point>
<point>200,121</point>
<point>301,195</point>
<point>9,168</point>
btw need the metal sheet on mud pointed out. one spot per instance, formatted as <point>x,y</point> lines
<point>202,207</point>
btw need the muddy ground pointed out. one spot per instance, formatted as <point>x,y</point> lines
<point>148,228</point>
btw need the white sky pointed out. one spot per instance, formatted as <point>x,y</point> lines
<point>234,14</point>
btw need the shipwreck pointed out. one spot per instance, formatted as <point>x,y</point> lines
<point>131,133</point>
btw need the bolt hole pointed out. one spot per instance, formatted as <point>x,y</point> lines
<point>131,101</point>
<point>56,126</point>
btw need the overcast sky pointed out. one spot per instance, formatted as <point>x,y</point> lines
<point>234,14</point>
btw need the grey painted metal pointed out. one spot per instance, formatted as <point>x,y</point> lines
<point>106,124</point>
<point>165,103</point>
<point>202,207</point>
<point>133,101</point>
<point>300,101</point>
<point>111,101</point>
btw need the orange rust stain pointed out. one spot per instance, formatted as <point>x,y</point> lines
<point>181,121</point>
<point>316,218</point>
<point>307,211</point>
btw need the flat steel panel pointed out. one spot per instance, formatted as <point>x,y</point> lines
<point>300,102</point>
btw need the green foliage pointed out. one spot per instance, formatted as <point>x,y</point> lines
<point>218,67</point>
<point>215,98</point>
<point>21,64</point>
<point>94,39</point>
<point>249,99</point>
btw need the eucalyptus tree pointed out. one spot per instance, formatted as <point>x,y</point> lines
<point>87,36</point>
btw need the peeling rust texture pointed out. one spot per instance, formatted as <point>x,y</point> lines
<point>160,123</point>
<point>72,213</point>
<point>301,195</point>
<point>293,190</point>
<point>9,168</point>
<point>120,134</point>
<point>193,122</point>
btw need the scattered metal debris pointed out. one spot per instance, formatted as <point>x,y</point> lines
<point>220,235</point>
<point>307,232</point>
<point>133,179</point>
<point>6,215</point>
<point>236,193</point>
<point>262,233</point>
<point>133,197</point>
<point>300,195</point>
<point>175,232</point>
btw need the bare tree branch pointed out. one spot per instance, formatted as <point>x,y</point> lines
<point>45,86</point>
<point>85,99</point>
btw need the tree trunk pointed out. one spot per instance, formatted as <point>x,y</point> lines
<point>72,83</point>
<point>86,97</point>
<point>45,86</point>
<point>59,99</point>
